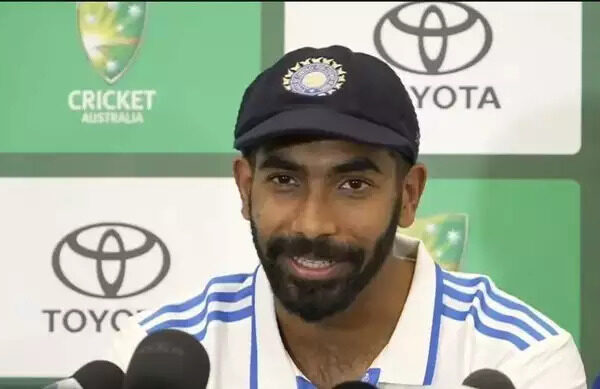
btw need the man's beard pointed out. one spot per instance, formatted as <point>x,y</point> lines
<point>314,300</point>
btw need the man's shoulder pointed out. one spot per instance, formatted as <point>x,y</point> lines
<point>225,298</point>
<point>474,305</point>
<point>482,326</point>
<point>213,314</point>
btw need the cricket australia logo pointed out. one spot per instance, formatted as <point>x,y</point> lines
<point>111,35</point>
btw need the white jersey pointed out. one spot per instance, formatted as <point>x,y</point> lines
<point>452,324</point>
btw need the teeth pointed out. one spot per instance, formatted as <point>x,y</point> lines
<point>313,263</point>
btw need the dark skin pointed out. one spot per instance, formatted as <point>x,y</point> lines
<point>345,191</point>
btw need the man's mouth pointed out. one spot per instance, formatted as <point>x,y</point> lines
<point>313,263</point>
<point>315,268</point>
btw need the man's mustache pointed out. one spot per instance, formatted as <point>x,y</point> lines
<point>321,247</point>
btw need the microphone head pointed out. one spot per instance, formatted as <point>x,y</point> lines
<point>488,379</point>
<point>168,359</point>
<point>99,375</point>
<point>354,385</point>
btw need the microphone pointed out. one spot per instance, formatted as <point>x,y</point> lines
<point>354,385</point>
<point>488,379</point>
<point>168,359</point>
<point>93,375</point>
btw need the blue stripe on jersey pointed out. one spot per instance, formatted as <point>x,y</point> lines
<point>253,336</point>
<point>226,297</point>
<point>435,328</point>
<point>470,282</point>
<point>226,317</point>
<point>469,298</point>
<point>303,383</point>
<point>228,279</point>
<point>492,332</point>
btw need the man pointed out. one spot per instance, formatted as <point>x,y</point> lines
<point>329,142</point>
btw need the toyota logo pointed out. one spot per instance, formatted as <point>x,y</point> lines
<point>433,38</point>
<point>111,260</point>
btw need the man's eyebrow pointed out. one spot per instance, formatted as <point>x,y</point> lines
<point>276,162</point>
<point>356,165</point>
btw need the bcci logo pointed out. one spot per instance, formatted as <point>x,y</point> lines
<point>111,33</point>
<point>315,77</point>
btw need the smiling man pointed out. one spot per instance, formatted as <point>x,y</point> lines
<point>329,141</point>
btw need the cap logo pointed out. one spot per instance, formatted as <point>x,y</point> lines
<point>315,77</point>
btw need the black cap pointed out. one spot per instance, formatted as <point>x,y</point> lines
<point>331,92</point>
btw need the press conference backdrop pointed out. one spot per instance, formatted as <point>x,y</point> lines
<point>115,161</point>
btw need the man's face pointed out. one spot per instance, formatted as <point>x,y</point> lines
<point>323,216</point>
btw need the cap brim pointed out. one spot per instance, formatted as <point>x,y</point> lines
<point>319,121</point>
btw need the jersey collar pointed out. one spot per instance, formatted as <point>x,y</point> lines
<point>274,368</point>
<point>409,357</point>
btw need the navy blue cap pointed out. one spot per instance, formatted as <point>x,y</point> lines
<point>330,92</point>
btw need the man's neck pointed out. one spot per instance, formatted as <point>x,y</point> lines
<point>355,337</point>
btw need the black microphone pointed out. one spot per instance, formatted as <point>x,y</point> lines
<point>488,379</point>
<point>93,375</point>
<point>354,385</point>
<point>168,359</point>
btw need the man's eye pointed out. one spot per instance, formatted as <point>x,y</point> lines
<point>283,180</point>
<point>355,185</point>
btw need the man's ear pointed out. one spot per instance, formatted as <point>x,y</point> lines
<point>242,171</point>
<point>412,188</point>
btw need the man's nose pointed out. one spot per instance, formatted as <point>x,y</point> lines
<point>314,217</point>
